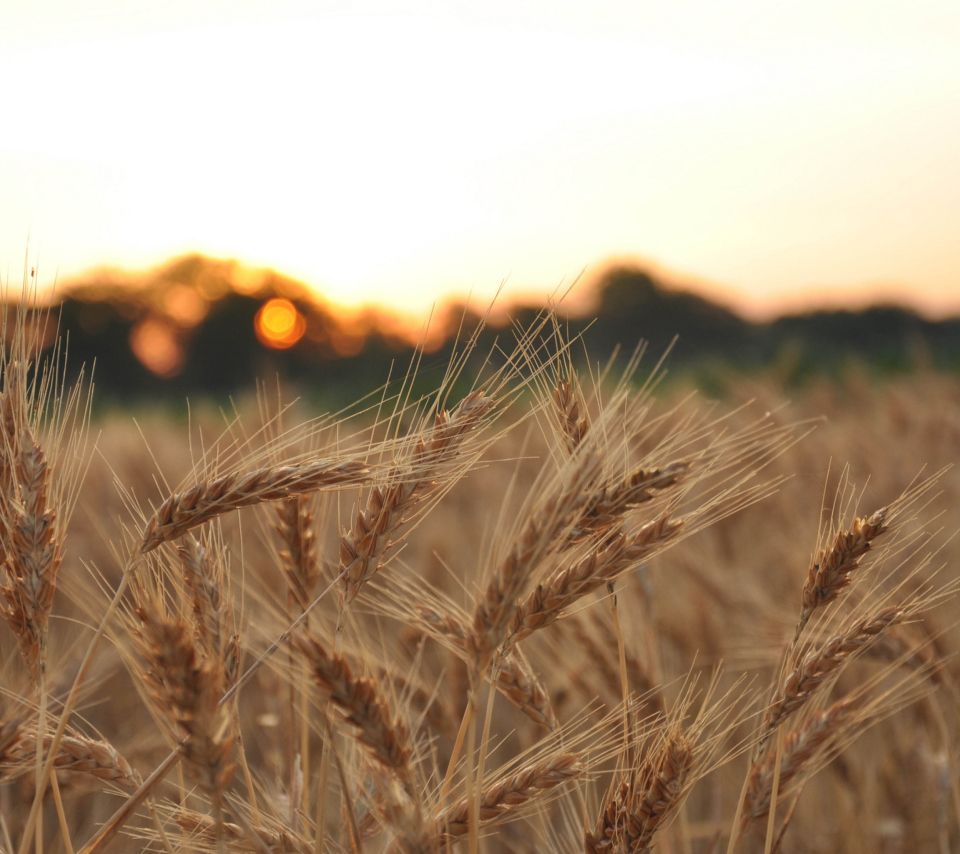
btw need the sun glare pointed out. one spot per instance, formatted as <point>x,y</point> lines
<point>279,325</point>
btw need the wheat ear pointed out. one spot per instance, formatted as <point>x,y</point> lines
<point>830,572</point>
<point>798,684</point>
<point>509,794</point>
<point>205,578</point>
<point>186,686</point>
<point>514,679</point>
<point>607,509</point>
<point>388,506</point>
<point>919,655</point>
<point>521,687</point>
<point>75,754</point>
<point>300,560</point>
<point>31,548</point>
<point>541,532</point>
<point>550,599</point>
<point>641,805</point>
<point>277,840</point>
<point>382,734</point>
<point>184,511</point>
<point>573,425</point>
<point>32,551</point>
<point>800,747</point>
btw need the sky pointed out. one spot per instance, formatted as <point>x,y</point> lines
<point>772,155</point>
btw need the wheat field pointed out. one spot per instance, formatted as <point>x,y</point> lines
<point>546,609</point>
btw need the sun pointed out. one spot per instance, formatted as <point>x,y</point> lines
<point>279,325</point>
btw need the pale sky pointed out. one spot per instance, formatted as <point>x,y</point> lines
<point>768,152</point>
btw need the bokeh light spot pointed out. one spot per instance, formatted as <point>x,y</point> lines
<point>185,306</point>
<point>156,345</point>
<point>278,324</point>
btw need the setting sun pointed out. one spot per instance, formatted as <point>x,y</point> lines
<point>279,325</point>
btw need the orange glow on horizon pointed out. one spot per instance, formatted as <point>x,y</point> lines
<point>279,325</point>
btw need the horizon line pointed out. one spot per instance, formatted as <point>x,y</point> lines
<point>580,296</point>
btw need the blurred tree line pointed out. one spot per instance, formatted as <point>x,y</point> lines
<point>199,315</point>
